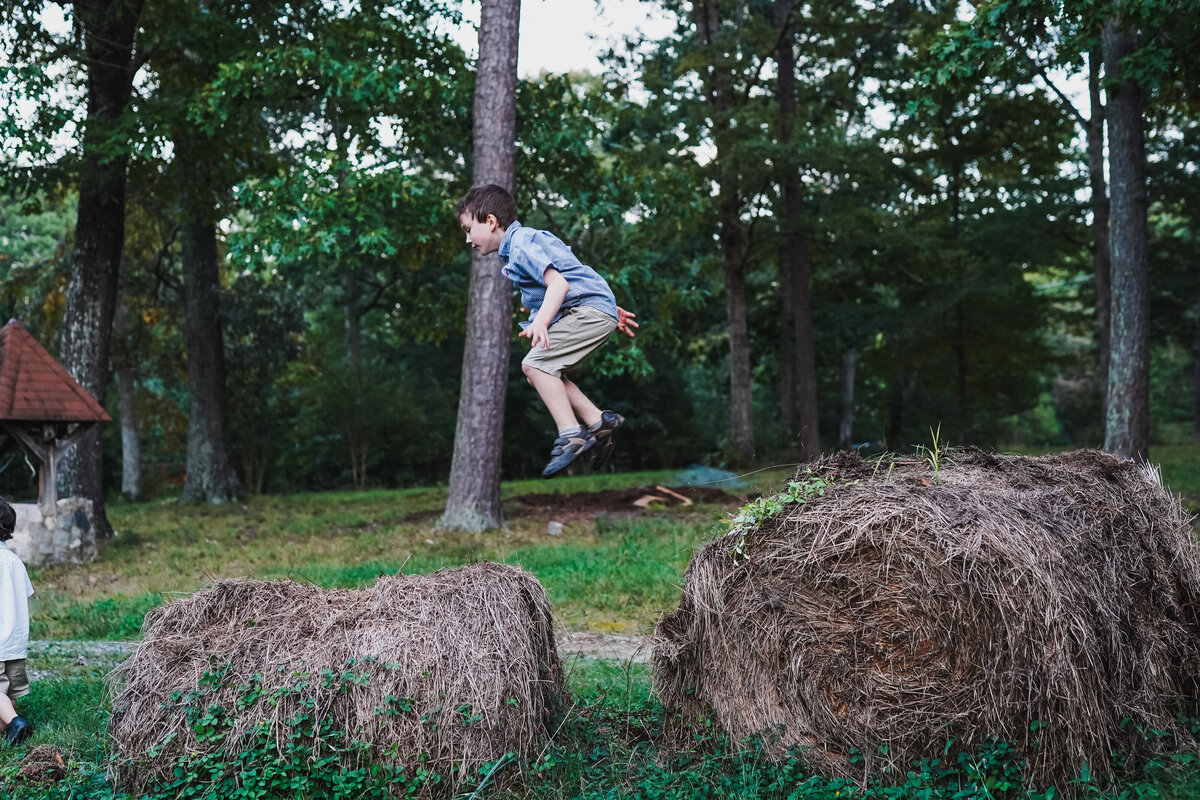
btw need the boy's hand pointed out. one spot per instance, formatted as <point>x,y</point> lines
<point>625,322</point>
<point>536,333</point>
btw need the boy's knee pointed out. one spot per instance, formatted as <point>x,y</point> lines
<point>532,371</point>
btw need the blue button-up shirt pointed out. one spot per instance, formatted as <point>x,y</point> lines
<point>527,252</point>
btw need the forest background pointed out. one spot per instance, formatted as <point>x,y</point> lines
<point>857,223</point>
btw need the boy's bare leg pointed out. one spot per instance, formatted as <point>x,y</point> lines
<point>8,711</point>
<point>553,392</point>
<point>584,408</point>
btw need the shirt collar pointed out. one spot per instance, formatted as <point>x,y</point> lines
<point>506,242</point>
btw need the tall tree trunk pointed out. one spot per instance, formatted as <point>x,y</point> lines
<point>1101,262</point>
<point>1127,412</point>
<point>108,31</point>
<point>474,499</point>
<point>846,420</point>
<point>210,473</point>
<point>789,416</point>
<point>733,267</point>
<point>793,252</point>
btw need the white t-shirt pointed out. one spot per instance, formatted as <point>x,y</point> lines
<point>15,591</point>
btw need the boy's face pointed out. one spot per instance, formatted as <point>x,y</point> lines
<point>483,236</point>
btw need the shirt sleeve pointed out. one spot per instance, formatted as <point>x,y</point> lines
<point>539,253</point>
<point>28,586</point>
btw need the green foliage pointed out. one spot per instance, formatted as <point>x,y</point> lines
<point>797,491</point>
<point>36,232</point>
<point>316,758</point>
<point>756,512</point>
<point>933,453</point>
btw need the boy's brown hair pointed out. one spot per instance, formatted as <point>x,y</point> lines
<point>488,199</point>
<point>8,520</point>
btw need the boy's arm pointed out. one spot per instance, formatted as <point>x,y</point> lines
<point>556,292</point>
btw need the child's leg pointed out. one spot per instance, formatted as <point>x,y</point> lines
<point>584,408</point>
<point>554,394</point>
<point>7,710</point>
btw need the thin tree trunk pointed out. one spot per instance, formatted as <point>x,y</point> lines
<point>1127,413</point>
<point>357,436</point>
<point>210,472</point>
<point>131,443</point>
<point>846,421</point>
<point>734,268</point>
<point>353,323</point>
<point>895,421</point>
<point>793,253</point>
<point>963,412</point>
<point>474,498</point>
<point>788,418</point>
<point>805,347</point>
<point>108,32</point>
<point>1196,374</point>
<point>254,468</point>
<point>1101,265</point>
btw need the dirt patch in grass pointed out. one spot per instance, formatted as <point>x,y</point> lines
<point>613,502</point>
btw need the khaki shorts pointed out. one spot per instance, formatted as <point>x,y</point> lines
<point>577,334</point>
<point>13,681</point>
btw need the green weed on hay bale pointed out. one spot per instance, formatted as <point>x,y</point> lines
<point>879,609</point>
<point>423,674</point>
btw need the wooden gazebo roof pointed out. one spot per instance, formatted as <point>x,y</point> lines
<point>41,406</point>
<point>34,387</point>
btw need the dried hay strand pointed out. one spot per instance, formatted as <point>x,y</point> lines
<point>451,669</point>
<point>905,607</point>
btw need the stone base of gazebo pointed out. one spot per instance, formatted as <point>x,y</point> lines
<point>65,537</point>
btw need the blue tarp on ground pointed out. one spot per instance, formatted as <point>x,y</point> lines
<point>711,477</point>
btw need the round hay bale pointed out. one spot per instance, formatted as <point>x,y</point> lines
<point>446,671</point>
<point>1048,602</point>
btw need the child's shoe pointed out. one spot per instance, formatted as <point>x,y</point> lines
<point>17,731</point>
<point>609,422</point>
<point>568,447</point>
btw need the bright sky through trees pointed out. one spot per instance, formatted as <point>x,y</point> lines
<point>564,35</point>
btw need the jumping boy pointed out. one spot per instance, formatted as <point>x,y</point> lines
<point>15,591</point>
<point>572,311</point>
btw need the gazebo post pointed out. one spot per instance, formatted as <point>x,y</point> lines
<point>48,492</point>
<point>44,452</point>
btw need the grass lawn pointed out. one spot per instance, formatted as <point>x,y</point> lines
<point>612,573</point>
